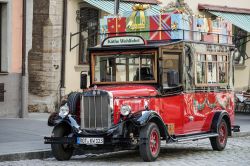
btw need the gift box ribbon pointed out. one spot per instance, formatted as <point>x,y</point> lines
<point>137,8</point>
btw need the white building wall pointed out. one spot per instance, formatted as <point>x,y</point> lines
<point>73,69</point>
<point>72,72</point>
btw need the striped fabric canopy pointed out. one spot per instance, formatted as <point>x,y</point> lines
<point>108,6</point>
<point>240,20</point>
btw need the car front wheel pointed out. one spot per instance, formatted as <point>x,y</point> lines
<point>150,142</point>
<point>62,151</point>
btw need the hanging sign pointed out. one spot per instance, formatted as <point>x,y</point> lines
<point>123,41</point>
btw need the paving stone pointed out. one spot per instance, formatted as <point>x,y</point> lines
<point>185,154</point>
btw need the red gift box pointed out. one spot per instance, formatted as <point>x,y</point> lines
<point>160,25</point>
<point>208,38</point>
<point>116,25</point>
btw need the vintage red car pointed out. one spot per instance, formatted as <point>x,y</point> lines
<point>141,93</point>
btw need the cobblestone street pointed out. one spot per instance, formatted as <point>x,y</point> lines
<point>189,153</point>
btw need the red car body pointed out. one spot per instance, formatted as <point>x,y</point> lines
<point>142,94</point>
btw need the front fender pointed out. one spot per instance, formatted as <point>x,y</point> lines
<point>142,118</point>
<point>68,120</point>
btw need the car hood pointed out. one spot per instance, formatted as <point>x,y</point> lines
<point>130,90</point>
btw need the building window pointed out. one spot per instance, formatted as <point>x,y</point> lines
<point>89,31</point>
<point>4,37</point>
<point>0,37</point>
<point>240,41</point>
<point>211,69</point>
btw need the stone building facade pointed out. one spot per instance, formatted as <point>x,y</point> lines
<point>45,56</point>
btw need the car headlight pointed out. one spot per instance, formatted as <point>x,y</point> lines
<point>64,110</point>
<point>125,110</point>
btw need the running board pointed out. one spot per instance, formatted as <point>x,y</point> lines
<point>196,137</point>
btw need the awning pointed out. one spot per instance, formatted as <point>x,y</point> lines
<point>108,6</point>
<point>240,17</point>
<point>240,20</point>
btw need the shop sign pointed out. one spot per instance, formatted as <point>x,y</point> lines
<point>123,40</point>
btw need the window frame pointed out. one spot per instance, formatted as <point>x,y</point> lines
<point>84,42</point>
<point>155,68</point>
<point>180,70</point>
<point>1,38</point>
<point>206,84</point>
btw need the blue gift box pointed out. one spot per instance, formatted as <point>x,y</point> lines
<point>181,27</point>
<point>103,28</point>
<point>223,36</point>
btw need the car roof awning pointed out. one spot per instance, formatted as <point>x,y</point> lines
<point>108,6</point>
<point>238,16</point>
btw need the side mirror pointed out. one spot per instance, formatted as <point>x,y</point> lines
<point>83,81</point>
<point>173,78</point>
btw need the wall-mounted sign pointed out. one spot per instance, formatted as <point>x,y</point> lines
<point>123,41</point>
<point>210,48</point>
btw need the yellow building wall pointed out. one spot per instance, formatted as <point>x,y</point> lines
<point>73,69</point>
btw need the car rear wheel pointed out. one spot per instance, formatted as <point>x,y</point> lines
<point>62,151</point>
<point>219,142</point>
<point>150,142</point>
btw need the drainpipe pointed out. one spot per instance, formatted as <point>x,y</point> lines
<point>24,90</point>
<point>248,79</point>
<point>64,33</point>
<point>116,7</point>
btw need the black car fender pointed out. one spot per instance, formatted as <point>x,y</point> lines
<point>68,121</point>
<point>142,118</point>
<point>218,116</point>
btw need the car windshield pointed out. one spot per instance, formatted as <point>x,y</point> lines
<point>124,68</point>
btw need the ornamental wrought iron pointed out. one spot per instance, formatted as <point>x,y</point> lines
<point>87,18</point>
<point>240,40</point>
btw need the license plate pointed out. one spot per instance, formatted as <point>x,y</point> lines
<point>90,141</point>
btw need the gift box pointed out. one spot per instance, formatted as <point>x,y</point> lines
<point>138,27</point>
<point>160,27</point>
<point>217,34</point>
<point>223,37</point>
<point>228,27</point>
<point>207,38</point>
<point>116,25</point>
<point>103,28</point>
<point>196,34</point>
<point>200,28</point>
<point>181,27</point>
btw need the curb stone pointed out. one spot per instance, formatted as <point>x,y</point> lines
<point>26,155</point>
<point>241,134</point>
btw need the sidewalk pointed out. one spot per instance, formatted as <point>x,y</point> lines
<point>23,138</point>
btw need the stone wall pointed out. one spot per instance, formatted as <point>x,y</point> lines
<point>45,55</point>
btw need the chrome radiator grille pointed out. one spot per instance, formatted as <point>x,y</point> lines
<point>96,110</point>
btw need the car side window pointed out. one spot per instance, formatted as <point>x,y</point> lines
<point>170,70</point>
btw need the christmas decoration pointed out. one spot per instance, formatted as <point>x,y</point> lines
<point>132,23</point>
